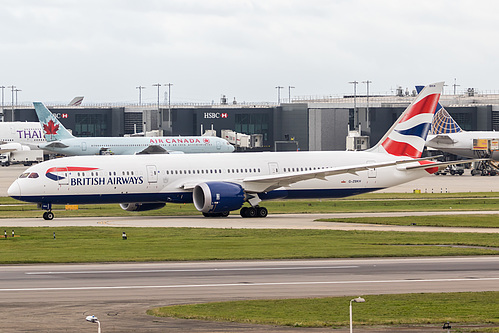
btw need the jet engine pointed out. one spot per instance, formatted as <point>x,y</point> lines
<point>218,197</point>
<point>141,207</point>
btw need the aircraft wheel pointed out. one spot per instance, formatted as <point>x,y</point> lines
<point>262,212</point>
<point>206,214</point>
<point>48,216</point>
<point>251,212</point>
<point>225,214</point>
<point>244,212</point>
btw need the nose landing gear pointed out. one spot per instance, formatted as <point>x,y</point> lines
<point>48,215</point>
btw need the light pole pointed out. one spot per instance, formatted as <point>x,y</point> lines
<point>367,82</point>
<point>159,110</point>
<point>93,319</point>
<point>12,89</point>
<point>356,116</point>
<point>455,85</point>
<point>356,300</point>
<point>279,94</point>
<point>3,104</point>
<point>289,93</point>
<point>140,93</point>
<point>17,90</point>
<point>169,105</point>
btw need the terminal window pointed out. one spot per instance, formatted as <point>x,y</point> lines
<point>90,125</point>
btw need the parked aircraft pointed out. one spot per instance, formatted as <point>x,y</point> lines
<point>220,183</point>
<point>448,137</point>
<point>60,140</point>
<point>17,136</point>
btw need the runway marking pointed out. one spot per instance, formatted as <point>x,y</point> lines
<point>246,284</point>
<point>191,270</point>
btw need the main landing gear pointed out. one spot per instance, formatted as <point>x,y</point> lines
<point>256,211</point>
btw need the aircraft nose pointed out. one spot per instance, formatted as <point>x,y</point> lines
<point>231,148</point>
<point>14,190</point>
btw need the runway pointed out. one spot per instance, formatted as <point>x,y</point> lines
<point>120,293</point>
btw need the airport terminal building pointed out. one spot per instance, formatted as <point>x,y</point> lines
<point>304,124</point>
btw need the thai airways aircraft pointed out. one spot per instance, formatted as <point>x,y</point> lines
<point>17,135</point>
<point>60,140</point>
<point>220,183</point>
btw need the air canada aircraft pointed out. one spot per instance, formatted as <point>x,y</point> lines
<point>220,183</point>
<point>61,141</point>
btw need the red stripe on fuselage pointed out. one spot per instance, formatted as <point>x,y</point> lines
<point>431,170</point>
<point>400,148</point>
<point>57,169</point>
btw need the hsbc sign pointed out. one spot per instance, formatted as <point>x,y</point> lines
<point>215,115</point>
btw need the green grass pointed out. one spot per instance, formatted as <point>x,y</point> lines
<point>481,308</point>
<point>104,244</point>
<point>474,221</point>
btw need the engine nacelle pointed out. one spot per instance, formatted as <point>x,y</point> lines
<point>141,207</point>
<point>218,197</point>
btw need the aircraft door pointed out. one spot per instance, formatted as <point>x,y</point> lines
<point>371,172</point>
<point>152,174</point>
<point>219,145</point>
<point>83,146</point>
<point>63,176</point>
<point>273,168</point>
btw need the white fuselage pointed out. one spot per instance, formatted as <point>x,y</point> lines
<point>461,143</point>
<point>169,178</point>
<point>133,145</point>
<point>25,133</point>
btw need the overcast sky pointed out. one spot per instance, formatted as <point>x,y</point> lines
<point>103,49</point>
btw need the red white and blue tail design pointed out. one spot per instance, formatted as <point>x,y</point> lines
<point>408,135</point>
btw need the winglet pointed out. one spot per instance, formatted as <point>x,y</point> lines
<point>53,130</point>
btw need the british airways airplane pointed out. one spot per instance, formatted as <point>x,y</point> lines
<point>61,141</point>
<point>220,183</point>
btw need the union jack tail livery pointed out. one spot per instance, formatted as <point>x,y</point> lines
<point>53,130</point>
<point>408,135</point>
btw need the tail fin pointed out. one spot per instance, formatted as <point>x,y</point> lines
<point>53,130</point>
<point>76,101</point>
<point>442,122</point>
<point>408,135</point>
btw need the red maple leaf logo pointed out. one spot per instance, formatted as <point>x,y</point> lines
<point>206,140</point>
<point>50,128</point>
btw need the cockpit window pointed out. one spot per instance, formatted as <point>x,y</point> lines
<point>24,175</point>
<point>33,175</point>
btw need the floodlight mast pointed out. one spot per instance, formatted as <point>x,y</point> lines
<point>93,319</point>
<point>356,300</point>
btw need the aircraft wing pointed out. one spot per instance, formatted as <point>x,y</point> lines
<point>440,138</point>
<point>442,164</point>
<point>267,183</point>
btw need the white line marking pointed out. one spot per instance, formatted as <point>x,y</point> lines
<point>191,270</point>
<point>247,284</point>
